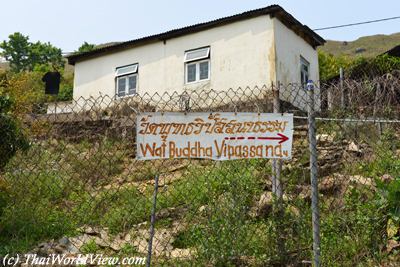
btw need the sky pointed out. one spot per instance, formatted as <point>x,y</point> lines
<point>67,24</point>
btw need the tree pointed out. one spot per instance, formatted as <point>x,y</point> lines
<point>86,47</point>
<point>24,55</point>
<point>16,51</point>
<point>329,65</point>
<point>45,54</point>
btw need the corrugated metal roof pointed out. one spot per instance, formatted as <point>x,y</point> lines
<point>275,11</point>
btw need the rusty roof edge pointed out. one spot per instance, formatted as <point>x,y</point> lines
<point>318,40</point>
<point>270,10</point>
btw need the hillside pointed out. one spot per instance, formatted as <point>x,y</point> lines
<point>367,46</point>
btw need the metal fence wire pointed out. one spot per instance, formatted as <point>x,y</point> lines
<point>78,188</point>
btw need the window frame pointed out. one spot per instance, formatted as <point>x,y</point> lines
<point>126,76</point>
<point>136,67</point>
<point>304,62</point>
<point>187,52</point>
<point>197,63</point>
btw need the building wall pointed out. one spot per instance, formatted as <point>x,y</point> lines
<point>242,54</point>
<point>289,49</point>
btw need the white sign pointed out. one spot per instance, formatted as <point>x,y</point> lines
<point>218,136</point>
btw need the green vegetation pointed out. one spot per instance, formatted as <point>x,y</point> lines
<point>12,137</point>
<point>210,210</point>
<point>76,184</point>
<point>387,164</point>
<point>28,62</point>
<point>359,68</point>
<point>360,59</point>
<point>24,55</point>
<point>329,65</point>
<point>90,247</point>
<point>27,90</point>
<point>86,47</point>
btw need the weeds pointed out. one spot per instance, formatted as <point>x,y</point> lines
<point>76,184</point>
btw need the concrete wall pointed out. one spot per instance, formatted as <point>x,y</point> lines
<point>242,54</point>
<point>289,49</point>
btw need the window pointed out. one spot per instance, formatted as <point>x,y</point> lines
<point>126,78</point>
<point>197,65</point>
<point>304,71</point>
<point>197,54</point>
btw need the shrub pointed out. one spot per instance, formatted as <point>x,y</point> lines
<point>353,233</point>
<point>11,134</point>
<point>24,225</point>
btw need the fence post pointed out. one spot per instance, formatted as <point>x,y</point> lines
<point>376,106</point>
<point>313,174</point>
<point>277,188</point>
<point>273,177</point>
<point>152,222</point>
<point>342,97</point>
<point>276,163</point>
<point>55,110</point>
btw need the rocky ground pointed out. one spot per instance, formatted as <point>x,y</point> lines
<point>332,154</point>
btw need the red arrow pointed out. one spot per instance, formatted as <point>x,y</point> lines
<point>282,138</point>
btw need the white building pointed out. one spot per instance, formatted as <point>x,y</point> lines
<point>251,49</point>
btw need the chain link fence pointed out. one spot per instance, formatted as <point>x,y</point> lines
<point>78,188</point>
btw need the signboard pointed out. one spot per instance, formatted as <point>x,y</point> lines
<point>217,136</point>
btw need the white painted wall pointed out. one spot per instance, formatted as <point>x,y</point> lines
<point>289,49</point>
<point>248,53</point>
<point>242,54</point>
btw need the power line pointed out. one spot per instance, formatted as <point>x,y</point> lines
<point>355,24</point>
